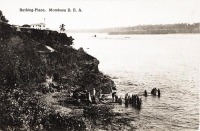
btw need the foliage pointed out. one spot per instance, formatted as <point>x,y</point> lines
<point>2,17</point>
<point>22,112</point>
<point>25,63</point>
<point>102,113</point>
<point>46,37</point>
<point>19,110</point>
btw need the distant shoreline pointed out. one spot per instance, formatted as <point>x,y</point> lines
<point>182,28</point>
<point>116,33</point>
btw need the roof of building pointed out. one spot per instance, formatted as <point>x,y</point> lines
<point>25,25</point>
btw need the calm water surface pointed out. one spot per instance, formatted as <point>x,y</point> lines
<point>142,62</point>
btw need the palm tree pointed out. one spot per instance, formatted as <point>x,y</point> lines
<point>62,28</point>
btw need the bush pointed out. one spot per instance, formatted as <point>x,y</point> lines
<point>58,122</point>
<point>102,113</point>
<point>21,111</point>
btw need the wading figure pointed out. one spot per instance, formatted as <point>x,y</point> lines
<point>136,100</point>
<point>129,99</point>
<point>158,92</point>
<point>139,102</point>
<point>126,100</point>
<point>120,101</point>
<point>153,91</point>
<point>145,93</point>
<point>133,100</point>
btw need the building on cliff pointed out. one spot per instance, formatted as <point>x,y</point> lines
<point>26,27</point>
<point>39,26</point>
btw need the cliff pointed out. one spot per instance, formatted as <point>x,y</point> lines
<point>28,57</point>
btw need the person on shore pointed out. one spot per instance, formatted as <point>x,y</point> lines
<point>116,98</point>
<point>94,92</point>
<point>113,95</point>
<point>158,92</point>
<point>88,97</point>
<point>145,93</point>
<point>94,100</point>
<point>100,93</point>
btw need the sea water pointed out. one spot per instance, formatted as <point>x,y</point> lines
<point>142,62</point>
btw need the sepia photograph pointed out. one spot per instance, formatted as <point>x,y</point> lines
<point>99,65</point>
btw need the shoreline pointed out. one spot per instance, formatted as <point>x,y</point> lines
<point>101,116</point>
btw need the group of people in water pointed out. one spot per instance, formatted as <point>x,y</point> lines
<point>132,100</point>
<point>153,92</point>
<point>129,100</point>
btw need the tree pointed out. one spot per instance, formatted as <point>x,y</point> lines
<point>62,28</point>
<point>2,17</point>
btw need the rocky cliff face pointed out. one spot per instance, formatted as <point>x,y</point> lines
<point>28,56</point>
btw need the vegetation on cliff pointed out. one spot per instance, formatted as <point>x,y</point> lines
<point>28,58</point>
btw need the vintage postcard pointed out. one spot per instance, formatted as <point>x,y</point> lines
<point>99,65</point>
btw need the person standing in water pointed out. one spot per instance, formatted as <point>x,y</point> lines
<point>152,91</point>
<point>145,93</point>
<point>126,100</point>
<point>155,90</point>
<point>158,92</point>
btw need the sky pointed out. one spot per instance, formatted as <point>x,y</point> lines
<point>102,13</point>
